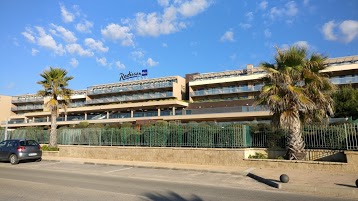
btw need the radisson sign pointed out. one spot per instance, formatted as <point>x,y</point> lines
<point>133,75</point>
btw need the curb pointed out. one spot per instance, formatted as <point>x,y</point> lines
<point>265,181</point>
<point>152,167</point>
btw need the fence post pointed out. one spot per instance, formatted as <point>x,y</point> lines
<point>345,131</point>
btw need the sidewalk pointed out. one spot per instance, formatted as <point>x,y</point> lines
<point>304,181</point>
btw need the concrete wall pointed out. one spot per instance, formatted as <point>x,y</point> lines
<point>198,156</point>
<point>201,156</point>
<point>5,107</point>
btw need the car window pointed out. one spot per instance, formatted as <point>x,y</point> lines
<point>29,143</point>
<point>11,144</point>
<point>2,144</point>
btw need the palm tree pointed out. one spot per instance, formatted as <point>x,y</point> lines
<point>54,85</point>
<point>296,93</point>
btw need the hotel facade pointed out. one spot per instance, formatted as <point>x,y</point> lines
<point>220,97</point>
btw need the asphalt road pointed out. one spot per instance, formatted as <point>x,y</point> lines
<point>69,181</point>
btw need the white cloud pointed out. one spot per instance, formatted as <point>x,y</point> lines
<point>245,25</point>
<point>102,61</point>
<point>327,30</point>
<point>45,40</point>
<point>153,24</point>
<point>346,31</point>
<point>263,5</point>
<point>349,29</point>
<point>302,44</point>
<point>164,45</point>
<point>84,27</point>
<point>171,20</point>
<point>74,62</point>
<point>116,32</point>
<point>289,10</point>
<point>228,36</point>
<point>163,3</point>
<point>120,65</point>
<point>65,34</point>
<point>151,62</point>
<point>194,7</point>
<point>34,51</point>
<point>249,16</point>
<point>77,49</point>
<point>137,54</point>
<point>66,15</point>
<point>15,41</point>
<point>29,35</point>
<point>95,45</point>
<point>267,33</point>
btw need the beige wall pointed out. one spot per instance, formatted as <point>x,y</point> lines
<point>201,156</point>
<point>5,107</point>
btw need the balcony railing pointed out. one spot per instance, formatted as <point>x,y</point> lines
<point>344,80</point>
<point>118,89</point>
<point>131,98</point>
<point>27,107</point>
<point>26,100</point>
<point>136,114</point>
<point>258,108</point>
<point>225,90</point>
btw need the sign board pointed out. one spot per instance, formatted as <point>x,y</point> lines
<point>133,75</point>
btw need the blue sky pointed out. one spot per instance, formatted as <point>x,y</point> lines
<point>97,40</point>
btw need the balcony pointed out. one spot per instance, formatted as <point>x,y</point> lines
<point>344,80</point>
<point>228,110</point>
<point>225,90</point>
<point>26,100</point>
<point>118,89</point>
<point>27,107</point>
<point>135,97</point>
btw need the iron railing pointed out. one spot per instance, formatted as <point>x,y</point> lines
<point>334,137</point>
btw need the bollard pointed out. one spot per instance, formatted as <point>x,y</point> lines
<point>284,178</point>
<point>357,183</point>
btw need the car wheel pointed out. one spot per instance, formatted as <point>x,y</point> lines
<point>13,159</point>
<point>39,159</point>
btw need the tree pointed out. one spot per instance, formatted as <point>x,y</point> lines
<point>54,83</point>
<point>296,93</point>
<point>346,102</point>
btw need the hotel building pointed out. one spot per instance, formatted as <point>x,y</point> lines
<point>220,96</point>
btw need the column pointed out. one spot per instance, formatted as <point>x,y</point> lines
<point>107,114</point>
<point>132,113</point>
<point>47,119</point>
<point>85,115</point>
<point>65,117</point>
<point>173,111</point>
<point>158,112</point>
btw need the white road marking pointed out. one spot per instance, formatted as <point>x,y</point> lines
<point>118,170</point>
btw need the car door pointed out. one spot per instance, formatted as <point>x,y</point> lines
<point>3,152</point>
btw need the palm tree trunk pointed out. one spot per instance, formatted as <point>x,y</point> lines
<point>295,144</point>
<point>53,133</point>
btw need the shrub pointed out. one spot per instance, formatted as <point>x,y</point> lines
<point>47,148</point>
<point>258,156</point>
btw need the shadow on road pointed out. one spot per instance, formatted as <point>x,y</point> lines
<point>346,185</point>
<point>170,196</point>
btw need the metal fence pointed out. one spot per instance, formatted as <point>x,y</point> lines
<point>204,136</point>
<point>341,137</point>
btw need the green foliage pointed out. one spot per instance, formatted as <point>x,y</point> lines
<point>47,148</point>
<point>346,102</point>
<point>258,156</point>
<point>157,134</point>
<point>83,124</point>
